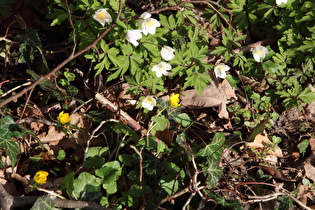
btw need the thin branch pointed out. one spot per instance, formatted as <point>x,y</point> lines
<point>53,72</point>
<point>90,139</point>
<point>15,88</point>
<point>73,28</point>
<point>274,196</point>
<point>124,117</point>
<point>140,163</point>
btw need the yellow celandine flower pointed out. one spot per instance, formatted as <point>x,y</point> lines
<point>41,177</point>
<point>174,100</point>
<point>63,118</point>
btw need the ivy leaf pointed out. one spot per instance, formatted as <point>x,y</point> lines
<point>43,203</point>
<point>9,130</point>
<point>213,150</point>
<point>214,172</point>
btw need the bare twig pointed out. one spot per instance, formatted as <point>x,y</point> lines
<point>26,103</point>
<point>140,163</point>
<point>15,88</point>
<point>269,197</point>
<point>92,137</point>
<point>124,117</point>
<point>57,68</point>
<point>73,28</point>
<point>119,11</point>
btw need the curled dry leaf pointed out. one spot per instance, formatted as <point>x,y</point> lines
<point>262,142</point>
<point>212,96</point>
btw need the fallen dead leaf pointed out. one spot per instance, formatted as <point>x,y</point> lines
<point>262,142</point>
<point>51,135</point>
<point>213,96</point>
<point>309,171</point>
<point>311,141</point>
<point>81,135</point>
<point>304,193</point>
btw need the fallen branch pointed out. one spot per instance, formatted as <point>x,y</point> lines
<point>269,197</point>
<point>124,117</point>
<point>9,202</point>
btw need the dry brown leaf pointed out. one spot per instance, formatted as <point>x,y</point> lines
<point>80,135</point>
<point>311,141</point>
<point>51,135</point>
<point>213,96</point>
<point>262,142</point>
<point>309,171</point>
<point>80,121</point>
<point>304,193</point>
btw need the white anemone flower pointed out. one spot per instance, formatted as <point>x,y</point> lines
<point>167,53</point>
<point>278,2</point>
<point>149,103</point>
<point>259,53</point>
<point>102,16</point>
<point>162,69</point>
<point>133,35</point>
<point>220,70</point>
<point>148,24</point>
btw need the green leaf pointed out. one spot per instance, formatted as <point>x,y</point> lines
<point>183,119</point>
<point>230,204</point>
<point>68,183</point>
<point>59,19</point>
<point>213,171</point>
<point>126,159</point>
<point>169,184</point>
<point>219,50</point>
<point>61,154</point>
<point>161,123</point>
<point>96,151</point>
<point>120,127</point>
<point>284,203</point>
<point>303,146</point>
<point>110,172</point>
<point>86,183</point>
<point>8,130</point>
<point>198,81</point>
<point>43,203</point>
<point>214,149</point>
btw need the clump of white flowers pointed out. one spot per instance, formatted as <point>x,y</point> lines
<point>259,53</point>
<point>220,70</point>
<point>149,103</point>
<point>102,16</point>
<point>167,53</point>
<point>148,24</point>
<point>133,36</point>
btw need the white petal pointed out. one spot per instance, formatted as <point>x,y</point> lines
<point>145,15</point>
<point>167,53</point>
